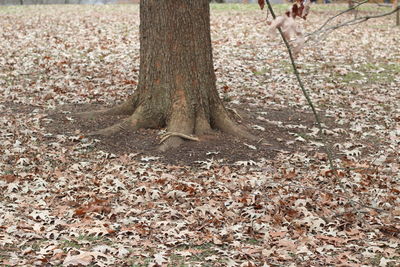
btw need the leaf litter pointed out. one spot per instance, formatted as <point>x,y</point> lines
<point>72,200</point>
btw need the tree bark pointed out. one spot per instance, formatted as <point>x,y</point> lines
<point>176,86</point>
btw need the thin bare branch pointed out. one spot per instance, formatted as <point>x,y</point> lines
<point>305,93</point>
<point>335,16</point>
<point>318,120</point>
<point>354,22</point>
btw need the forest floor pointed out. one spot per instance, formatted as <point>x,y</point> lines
<point>73,200</point>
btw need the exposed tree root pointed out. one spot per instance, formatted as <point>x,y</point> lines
<point>126,108</point>
<point>184,136</point>
<point>171,143</point>
<point>133,123</point>
<point>235,113</point>
<point>182,125</point>
<point>113,129</point>
<point>223,122</point>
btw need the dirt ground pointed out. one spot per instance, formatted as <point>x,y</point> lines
<point>272,138</point>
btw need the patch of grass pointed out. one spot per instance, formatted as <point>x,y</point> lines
<point>8,248</point>
<point>8,172</point>
<point>372,73</point>
<point>245,7</point>
<point>78,243</point>
<point>304,136</point>
<point>205,250</point>
<point>10,81</point>
<point>139,262</point>
<point>262,71</point>
<point>254,241</point>
<point>351,77</point>
<point>393,68</point>
<point>386,107</point>
<point>286,67</point>
<point>375,261</point>
<point>237,7</point>
<point>177,260</point>
<point>70,244</point>
<point>9,9</point>
<point>95,239</point>
<point>382,72</point>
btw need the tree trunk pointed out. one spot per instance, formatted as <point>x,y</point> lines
<point>176,68</point>
<point>176,86</point>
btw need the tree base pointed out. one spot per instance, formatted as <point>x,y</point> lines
<point>180,128</point>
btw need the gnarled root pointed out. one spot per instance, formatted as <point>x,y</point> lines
<point>223,122</point>
<point>133,123</point>
<point>183,123</point>
<point>126,108</point>
<point>123,126</point>
<point>167,135</point>
<point>182,129</point>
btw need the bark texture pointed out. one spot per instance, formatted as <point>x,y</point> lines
<point>176,86</point>
<point>177,78</point>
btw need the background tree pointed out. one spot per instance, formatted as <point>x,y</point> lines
<point>176,86</point>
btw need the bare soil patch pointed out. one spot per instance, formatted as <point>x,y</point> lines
<point>273,137</point>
